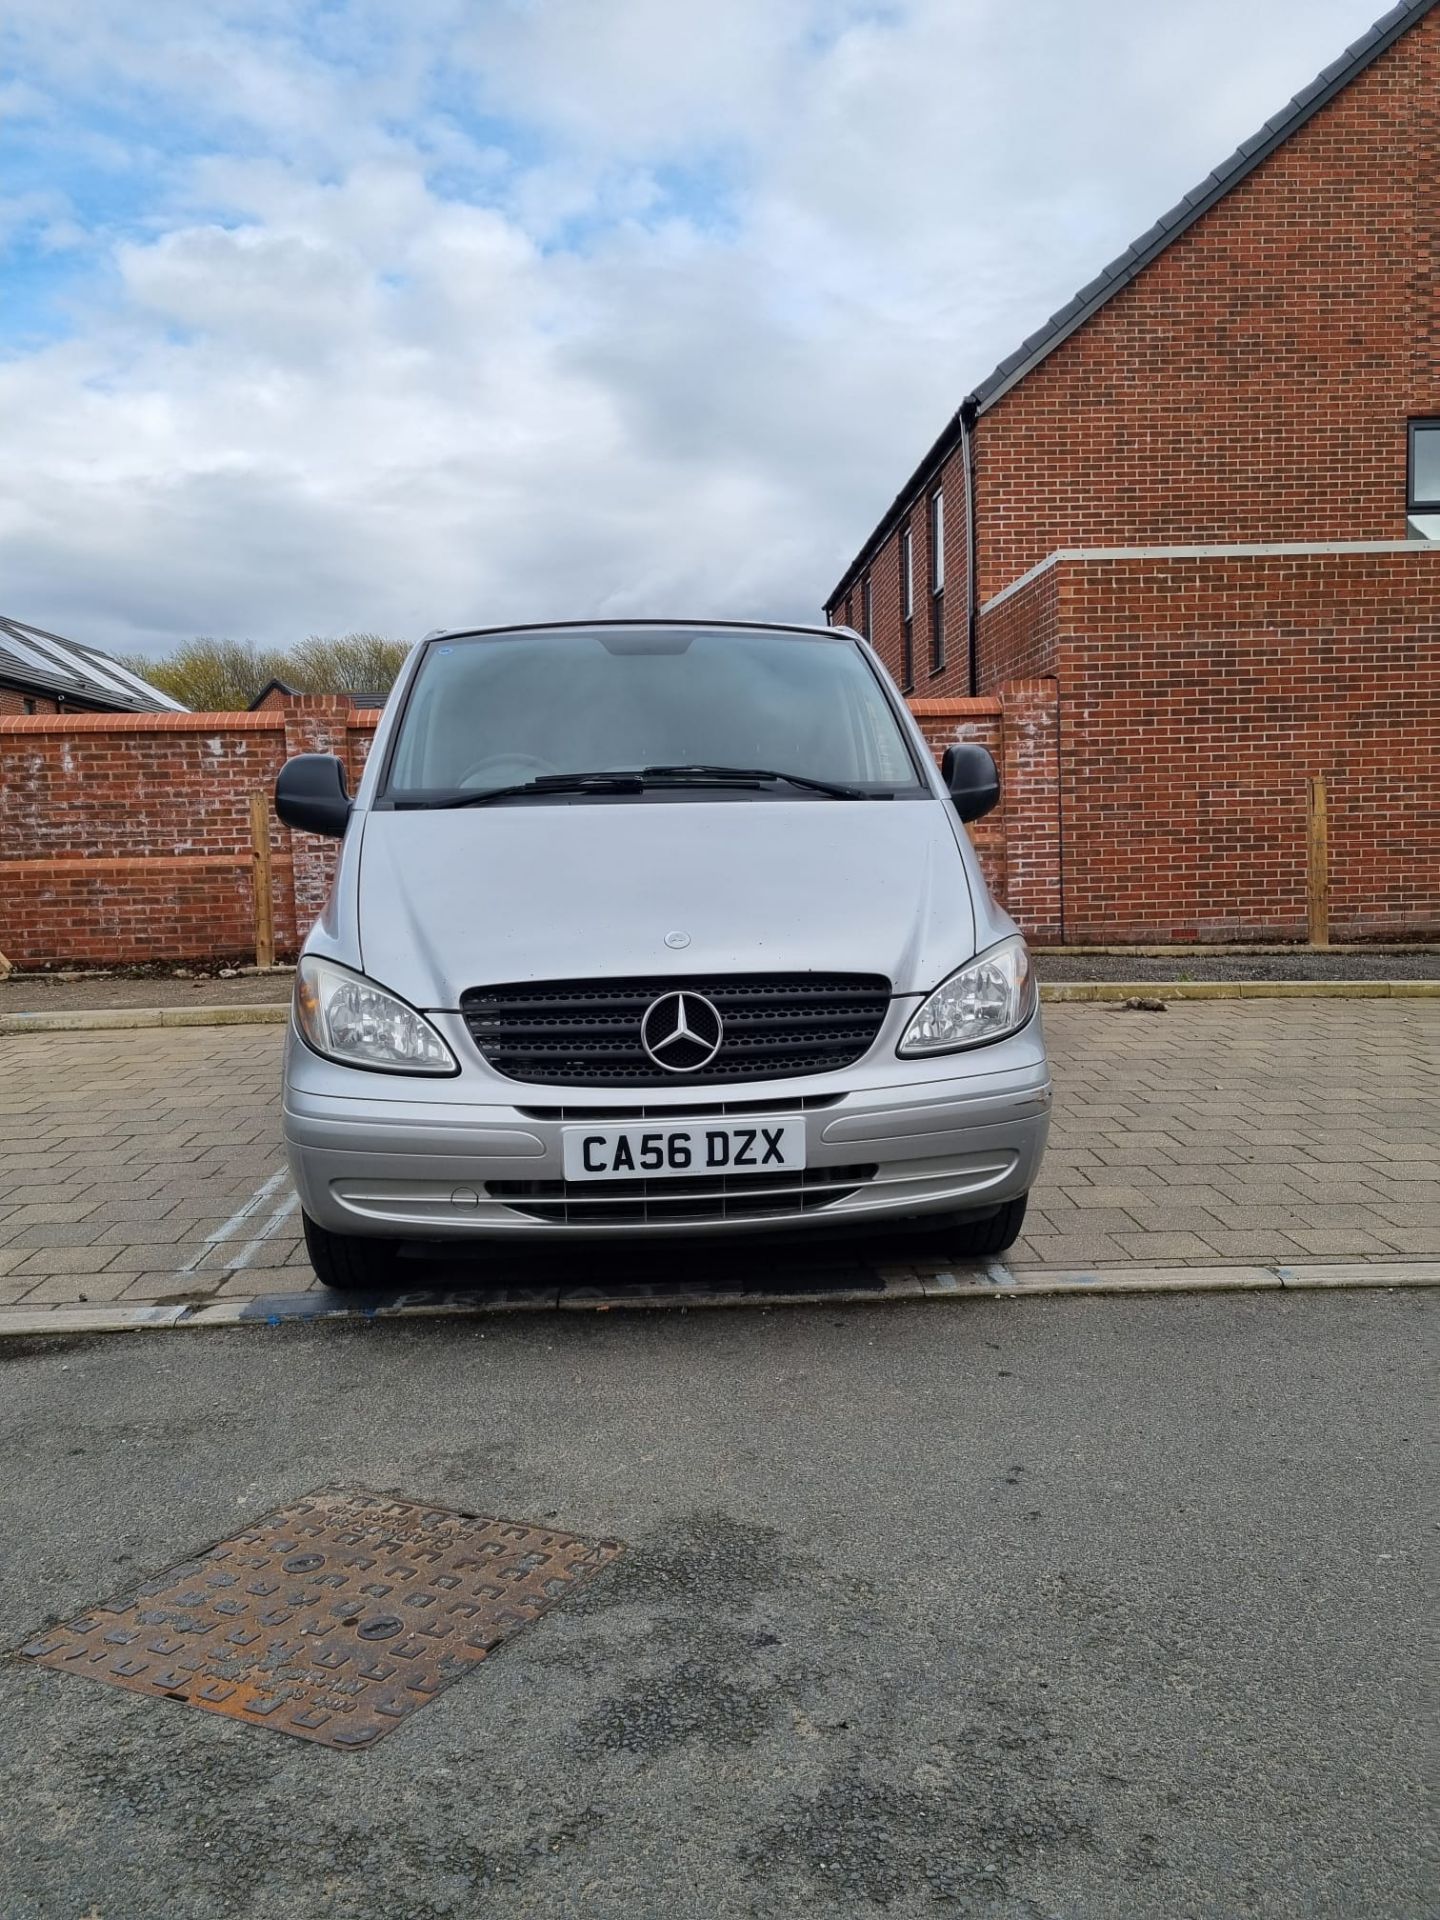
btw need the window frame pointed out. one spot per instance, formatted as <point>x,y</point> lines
<point>907,607</point>
<point>866,609</point>
<point>1424,423</point>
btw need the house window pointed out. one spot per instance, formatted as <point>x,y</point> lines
<point>30,706</point>
<point>849,611</point>
<point>865,608</point>
<point>937,581</point>
<point>1422,505</point>
<point>907,610</point>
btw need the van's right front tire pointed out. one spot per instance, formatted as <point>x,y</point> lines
<point>351,1262</point>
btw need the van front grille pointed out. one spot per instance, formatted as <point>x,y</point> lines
<point>775,1026</point>
<point>718,1196</point>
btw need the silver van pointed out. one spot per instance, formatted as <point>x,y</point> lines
<point>654,927</point>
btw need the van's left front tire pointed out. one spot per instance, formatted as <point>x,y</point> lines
<point>961,1236</point>
<point>350,1262</point>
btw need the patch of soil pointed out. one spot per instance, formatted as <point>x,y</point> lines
<point>136,987</point>
<point>1304,963</point>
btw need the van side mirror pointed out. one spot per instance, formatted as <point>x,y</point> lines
<point>969,771</point>
<point>310,794</point>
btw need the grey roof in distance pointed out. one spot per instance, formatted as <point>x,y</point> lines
<point>38,662</point>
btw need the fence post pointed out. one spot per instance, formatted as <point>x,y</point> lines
<point>1317,849</point>
<point>264,886</point>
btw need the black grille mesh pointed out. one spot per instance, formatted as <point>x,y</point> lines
<point>587,1032</point>
<point>733,1196</point>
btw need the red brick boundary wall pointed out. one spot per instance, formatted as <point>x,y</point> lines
<point>126,837</point>
<point>1153,762</point>
<point>1198,691</point>
<point>1018,844</point>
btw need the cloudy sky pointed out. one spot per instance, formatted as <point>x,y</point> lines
<point>406,313</point>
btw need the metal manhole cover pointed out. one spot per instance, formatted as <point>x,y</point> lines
<point>333,1619</point>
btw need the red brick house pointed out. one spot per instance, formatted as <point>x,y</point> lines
<point>1202,503</point>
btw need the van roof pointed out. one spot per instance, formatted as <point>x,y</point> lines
<point>562,626</point>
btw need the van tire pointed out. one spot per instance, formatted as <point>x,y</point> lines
<point>350,1262</point>
<point>961,1236</point>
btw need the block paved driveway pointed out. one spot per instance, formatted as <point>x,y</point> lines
<point>146,1165</point>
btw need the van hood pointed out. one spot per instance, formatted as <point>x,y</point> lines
<point>451,899</point>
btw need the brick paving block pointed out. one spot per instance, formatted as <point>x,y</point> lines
<point>1166,1246</point>
<point>1412,1239</point>
<point>43,1262</point>
<point>148,1256</point>
<point>1069,1219</point>
<point>1335,1240</point>
<point>1205,1196</point>
<point>1088,1198</point>
<point>73,1289</point>
<point>1395,1213</point>
<point>1270,1246</point>
<point>1073,1250</point>
<point>1318,1215</point>
<point>1162,1219</point>
<point>166,1232</point>
<point>252,1281</point>
<point>58,1233</point>
<point>40,1192</point>
<point>51,1213</point>
<point>1329,1192</point>
<point>147,1288</point>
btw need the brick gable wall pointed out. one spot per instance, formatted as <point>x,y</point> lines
<point>1253,383</point>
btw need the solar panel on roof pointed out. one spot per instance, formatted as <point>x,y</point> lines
<point>33,655</point>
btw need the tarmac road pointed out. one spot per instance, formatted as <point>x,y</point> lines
<point>1080,1608</point>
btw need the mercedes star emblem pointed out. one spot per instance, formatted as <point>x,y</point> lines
<point>681,1032</point>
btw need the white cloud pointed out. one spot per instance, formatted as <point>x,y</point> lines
<point>425,314</point>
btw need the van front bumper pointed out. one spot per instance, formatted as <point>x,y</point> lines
<point>482,1157</point>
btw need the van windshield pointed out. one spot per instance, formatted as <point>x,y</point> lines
<point>496,711</point>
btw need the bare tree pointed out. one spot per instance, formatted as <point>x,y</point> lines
<point>224,676</point>
<point>354,663</point>
<point>213,676</point>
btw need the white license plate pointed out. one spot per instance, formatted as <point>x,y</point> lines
<point>660,1153</point>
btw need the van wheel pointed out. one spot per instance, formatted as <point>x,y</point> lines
<point>963,1237</point>
<point>350,1262</point>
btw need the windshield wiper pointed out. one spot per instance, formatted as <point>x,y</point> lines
<point>701,775</point>
<point>546,783</point>
<point>622,780</point>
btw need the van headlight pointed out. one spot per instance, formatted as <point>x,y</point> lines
<point>346,1017</point>
<point>989,997</point>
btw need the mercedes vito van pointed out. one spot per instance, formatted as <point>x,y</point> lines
<point>654,927</point>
